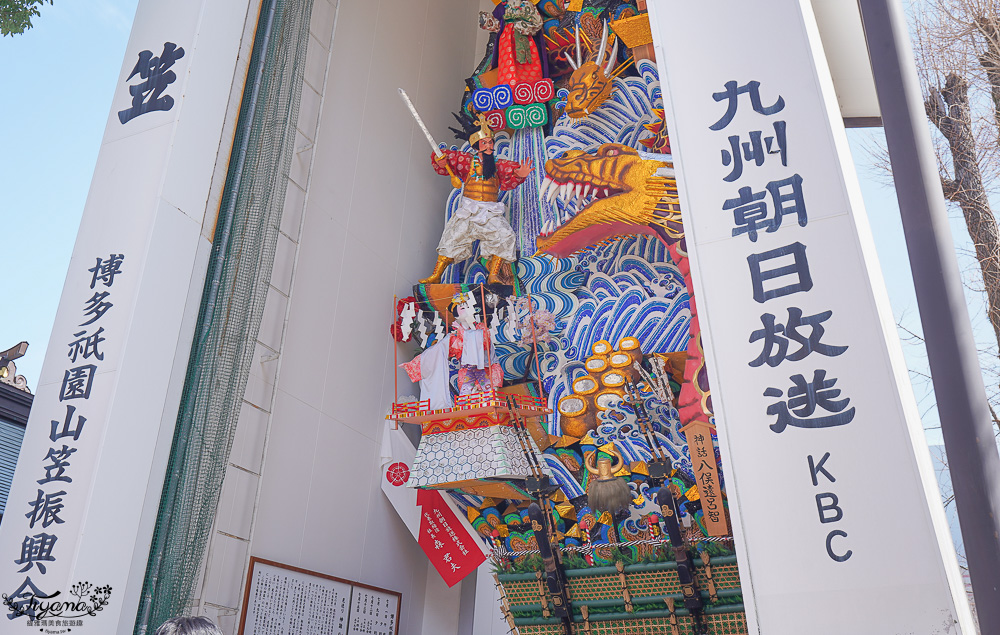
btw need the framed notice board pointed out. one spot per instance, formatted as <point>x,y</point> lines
<point>285,600</point>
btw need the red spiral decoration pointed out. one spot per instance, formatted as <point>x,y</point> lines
<point>496,120</point>
<point>543,90</point>
<point>524,93</point>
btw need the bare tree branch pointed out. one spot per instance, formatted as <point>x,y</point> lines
<point>948,109</point>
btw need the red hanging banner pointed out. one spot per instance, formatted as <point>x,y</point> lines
<point>451,545</point>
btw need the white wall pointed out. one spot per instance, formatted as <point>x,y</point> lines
<point>363,215</point>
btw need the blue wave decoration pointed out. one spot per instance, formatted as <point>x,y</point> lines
<point>570,486</point>
<point>466,500</point>
<point>630,288</point>
<point>552,284</point>
<point>618,424</point>
<point>620,118</point>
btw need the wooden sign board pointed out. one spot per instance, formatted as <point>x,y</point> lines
<point>285,600</point>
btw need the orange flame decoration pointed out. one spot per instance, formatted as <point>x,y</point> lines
<point>660,141</point>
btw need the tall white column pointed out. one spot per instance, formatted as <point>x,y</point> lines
<point>87,487</point>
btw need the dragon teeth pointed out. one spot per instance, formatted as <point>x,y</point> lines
<point>550,194</point>
<point>586,191</point>
<point>579,188</point>
<point>605,192</point>
<point>543,188</point>
<point>553,192</point>
<point>547,186</point>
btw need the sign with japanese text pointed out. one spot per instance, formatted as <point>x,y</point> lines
<point>373,612</point>
<point>450,543</point>
<point>76,535</point>
<point>443,532</point>
<point>699,436</point>
<point>284,600</point>
<point>64,468</point>
<point>833,503</point>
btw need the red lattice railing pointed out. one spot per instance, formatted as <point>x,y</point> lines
<point>476,400</point>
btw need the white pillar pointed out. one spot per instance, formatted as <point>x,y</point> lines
<point>150,202</point>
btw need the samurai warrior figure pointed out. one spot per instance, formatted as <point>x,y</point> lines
<point>479,215</point>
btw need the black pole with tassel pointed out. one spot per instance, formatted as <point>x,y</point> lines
<point>665,498</point>
<point>555,577</point>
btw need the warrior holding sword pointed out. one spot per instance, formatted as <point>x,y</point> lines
<point>479,215</point>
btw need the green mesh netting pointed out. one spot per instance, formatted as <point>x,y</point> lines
<point>232,303</point>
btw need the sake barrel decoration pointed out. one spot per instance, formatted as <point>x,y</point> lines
<point>612,389</point>
<point>601,347</point>
<point>631,347</point>
<point>576,416</point>
<point>621,362</point>
<point>585,385</point>
<point>596,366</point>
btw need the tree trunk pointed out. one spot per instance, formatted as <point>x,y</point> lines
<point>948,109</point>
<point>989,59</point>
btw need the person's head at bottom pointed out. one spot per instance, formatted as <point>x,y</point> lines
<point>188,626</point>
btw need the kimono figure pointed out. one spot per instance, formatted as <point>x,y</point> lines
<point>518,57</point>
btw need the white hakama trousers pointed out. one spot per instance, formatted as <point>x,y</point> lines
<point>482,221</point>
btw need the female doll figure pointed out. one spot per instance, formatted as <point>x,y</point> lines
<point>518,57</point>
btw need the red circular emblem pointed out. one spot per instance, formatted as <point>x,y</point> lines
<point>397,473</point>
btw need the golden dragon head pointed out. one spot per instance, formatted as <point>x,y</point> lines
<point>609,192</point>
<point>591,81</point>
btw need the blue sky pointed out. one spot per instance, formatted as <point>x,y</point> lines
<point>58,81</point>
<point>883,213</point>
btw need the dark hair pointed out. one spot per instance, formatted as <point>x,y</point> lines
<point>188,626</point>
<point>468,124</point>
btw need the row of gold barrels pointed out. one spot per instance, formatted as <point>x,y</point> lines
<point>608,370</point>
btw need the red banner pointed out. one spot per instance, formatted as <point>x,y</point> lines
<point>449,543</point>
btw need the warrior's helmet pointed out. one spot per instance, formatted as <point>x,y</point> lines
<point>472,129</point>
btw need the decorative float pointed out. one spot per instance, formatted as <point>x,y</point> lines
<point>564,407</point>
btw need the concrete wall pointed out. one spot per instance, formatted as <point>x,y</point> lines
<point>363,214</point>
